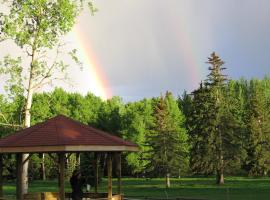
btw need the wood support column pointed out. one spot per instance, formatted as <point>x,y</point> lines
<point>78,160</point>
<point>42,167</point>
<point>61,179</point>
<point>1,175</point>
<point>119,172</point>
<point>96,168</point>
<point>109,168</point>
<point>19,170</point>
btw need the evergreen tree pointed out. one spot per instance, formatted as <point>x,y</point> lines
<point>185,105</point>
<point>258,131</point>
<point>201,133</point>
<point>216,82</point>
<point>168,139</point>
<point>215,131</point>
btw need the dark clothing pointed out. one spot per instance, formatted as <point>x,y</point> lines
<point>76,185</point>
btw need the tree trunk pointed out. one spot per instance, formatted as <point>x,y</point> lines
<point>27,123</point>
<point>42,168</point>
<point>25,173</point>
<point>220,170</point>
<point>220,178</point>
<point>168,182</point>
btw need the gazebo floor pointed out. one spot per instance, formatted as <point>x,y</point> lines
<point>55,196</point>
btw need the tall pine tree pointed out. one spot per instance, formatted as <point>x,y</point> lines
<point>214,131</point>
<point>258,131</point>
<point>168,139</point>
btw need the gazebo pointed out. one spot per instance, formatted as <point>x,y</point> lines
<point>62,135</point>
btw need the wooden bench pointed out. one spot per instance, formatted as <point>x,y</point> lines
<point>32,196</point>
<point>41,196</point>
<point>55,196</point>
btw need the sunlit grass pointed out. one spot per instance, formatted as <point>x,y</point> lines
<point>235,188</point>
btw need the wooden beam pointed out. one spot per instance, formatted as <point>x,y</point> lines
<point>19,169</point>
<point>78,160</point>
<point>1,175</point>
<point>109,168</point>
<point>119,172</point>
<point>61,179</point>
<point>67,148</point>
<point>96,169</point>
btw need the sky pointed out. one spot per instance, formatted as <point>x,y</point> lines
<point>142,48</point>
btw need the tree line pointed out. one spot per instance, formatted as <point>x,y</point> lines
<point>222,127</point>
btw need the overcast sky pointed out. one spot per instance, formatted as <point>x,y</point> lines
<point>145,47</point>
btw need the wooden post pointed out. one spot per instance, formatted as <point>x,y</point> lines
<point>19,169</point>
<point>42,167</point>
<point>119,172</point>
<point>96,168</point>
<point>109,168</point>
<point>78,160</point>
<point>61,175</point>
<point>1,175</point>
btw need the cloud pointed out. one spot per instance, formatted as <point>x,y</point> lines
<point>148,47</point>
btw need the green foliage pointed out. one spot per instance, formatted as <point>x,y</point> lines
<point>258,131</point>
<point>168,148</point>
<point>10,114</point>
<point>200,134</point>
<point>12,71</point>
<point>136,123</point>
<point>216,129</point>
<point>110,116</point>
<point>38,23</point>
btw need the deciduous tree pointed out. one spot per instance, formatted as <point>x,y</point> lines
<point>36,27</point>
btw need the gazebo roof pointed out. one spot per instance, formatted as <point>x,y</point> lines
<point>62,134</point>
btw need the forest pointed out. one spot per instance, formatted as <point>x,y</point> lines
<point>212,142</point>
<point>221,128</point>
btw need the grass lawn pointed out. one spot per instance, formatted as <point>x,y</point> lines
<point>235,188</point>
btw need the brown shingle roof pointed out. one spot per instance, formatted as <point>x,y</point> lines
<point>66,133</point>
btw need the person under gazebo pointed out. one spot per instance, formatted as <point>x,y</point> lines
<point>77,183</point>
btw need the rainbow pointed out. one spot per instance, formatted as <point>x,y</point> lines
<point>189,53</point>
<point>96,82</point>
<point>184,42</point>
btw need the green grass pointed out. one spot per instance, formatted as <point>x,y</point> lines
<point>235,188</point>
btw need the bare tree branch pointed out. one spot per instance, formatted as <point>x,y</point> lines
<point>45,76</point>
<point>64,79</point>
<point>3,116</point>
<point>7,123</point>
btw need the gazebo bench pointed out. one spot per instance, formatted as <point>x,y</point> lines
<point>55,196</point>
<point>41,196</point>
